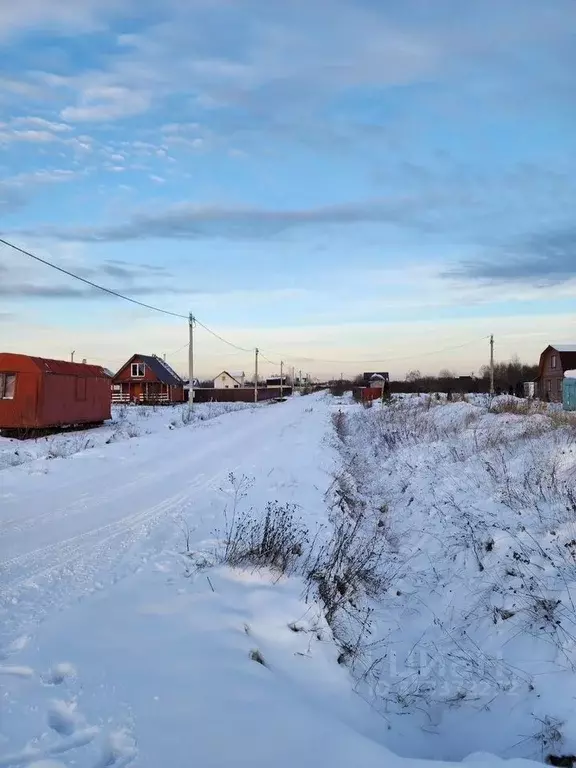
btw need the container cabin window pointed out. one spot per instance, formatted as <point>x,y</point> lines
<point>80,389</point>
<point>138,370</point>
<point>7,386</point>
<point>554,362</point>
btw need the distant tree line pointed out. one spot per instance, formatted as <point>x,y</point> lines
<point>509,377</point>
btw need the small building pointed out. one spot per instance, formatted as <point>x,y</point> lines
<point>554,361</point>
<point>37,393</point>
<point>227,380</point>
<point>376,379</point>
<point>147,379</point>
<point>277,381</point>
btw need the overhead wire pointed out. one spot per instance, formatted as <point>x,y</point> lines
<point>89,282</point>
<point>383,359</point>
<point>209,330</point>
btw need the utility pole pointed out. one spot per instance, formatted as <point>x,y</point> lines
<point>293,380</point>
<point>191,361</point>
<point>492,364</point>
<point>300,380</point>
<point>281,378</point>
<point>256,376</point>
<point>72,356</point>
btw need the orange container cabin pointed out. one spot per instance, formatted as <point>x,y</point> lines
<point>37,394</point>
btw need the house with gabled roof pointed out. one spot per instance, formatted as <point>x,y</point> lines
<point>147,379</point>
<point>227,380</point>
<point>554,361</point>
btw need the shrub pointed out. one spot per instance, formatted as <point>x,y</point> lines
<point>339,389</point>
<point>277,539</point>
<point>348,565</point>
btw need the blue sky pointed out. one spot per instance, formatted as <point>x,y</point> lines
<point>333,181</point>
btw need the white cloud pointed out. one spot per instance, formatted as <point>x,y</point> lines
<point>32,136</point>
<point>41,123</point>
<point>103,103</point>
<point>64,16</point>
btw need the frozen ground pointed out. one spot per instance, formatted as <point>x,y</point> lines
<point>118,649</point>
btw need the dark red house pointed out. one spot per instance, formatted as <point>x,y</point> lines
<point>147,379</point>
<point>553,362</point>
<point>36,393</point>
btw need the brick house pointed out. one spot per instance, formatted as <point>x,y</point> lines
<point>554,361</point>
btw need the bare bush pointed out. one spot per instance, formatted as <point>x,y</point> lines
<point>349,566</point>
<point>340,427</point>
<point>276,539</point>
<point>62,448</point>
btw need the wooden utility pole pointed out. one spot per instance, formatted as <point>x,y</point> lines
<point>191,360</point>
<point>491,364</point>
<point>281,378</point>
<point>256,376</point>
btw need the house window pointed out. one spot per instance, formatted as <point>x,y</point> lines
<point>554,362</point>
<point>559,385</point>
<point>138,370</point>
<point>223,378</point>
<point>7,386</point>
<point>236,386</point>
<point>80,388</point>
<point>549,385</point>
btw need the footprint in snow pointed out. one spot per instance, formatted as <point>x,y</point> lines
<point>117,749</point>
<point>59,673</point>
<point>63,717</point>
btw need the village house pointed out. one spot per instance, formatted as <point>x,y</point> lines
<point>226,380</point>
<point>554,361</point>
<point>147,379</point>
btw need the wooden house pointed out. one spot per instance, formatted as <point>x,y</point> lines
<point>553,362</point>
<point>147,379</point>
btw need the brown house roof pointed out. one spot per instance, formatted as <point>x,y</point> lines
<point>566,353</point>
<point>159,367</point>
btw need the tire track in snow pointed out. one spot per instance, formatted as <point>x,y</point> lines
<point>49,577</point>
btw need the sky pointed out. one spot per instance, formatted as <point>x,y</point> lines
<point>347,184</point>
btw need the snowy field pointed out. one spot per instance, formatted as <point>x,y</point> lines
<point>470,644</point>
<point>308,583</point>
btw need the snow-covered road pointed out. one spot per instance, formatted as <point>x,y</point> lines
<point>68,526</point>
<point>117,649</point>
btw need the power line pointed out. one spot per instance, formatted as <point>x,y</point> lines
<point>263,356</point>
<point>221,338</point>
<point>382,359</point>
<point>89,282</point>
<point>117,294</point>
<point>153,308</point>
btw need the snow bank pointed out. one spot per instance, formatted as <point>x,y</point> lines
<point>473,644</point>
